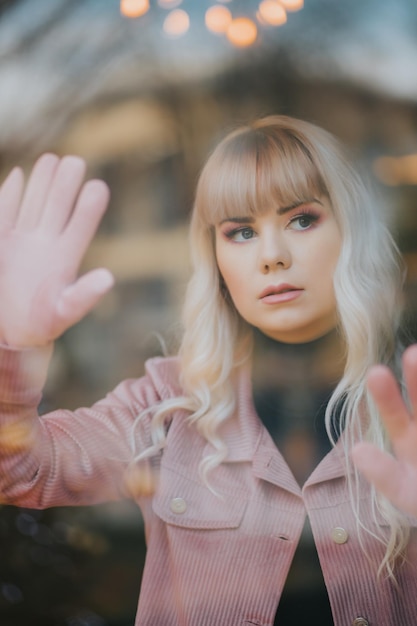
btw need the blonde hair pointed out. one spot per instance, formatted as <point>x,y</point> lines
<point>276,161</point>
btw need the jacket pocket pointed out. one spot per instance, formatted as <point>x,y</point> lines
<point>188,503</point>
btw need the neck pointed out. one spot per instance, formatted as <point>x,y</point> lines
<point>292,384</point>
<point>316,364</point>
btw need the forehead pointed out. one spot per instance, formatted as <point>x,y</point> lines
<point>254,171</point>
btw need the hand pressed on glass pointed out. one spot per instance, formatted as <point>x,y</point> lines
<point>44,233</point>
<point>394,476</point>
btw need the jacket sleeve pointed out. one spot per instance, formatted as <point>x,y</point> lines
<point>66,458</point>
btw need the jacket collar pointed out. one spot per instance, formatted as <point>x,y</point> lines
<point>248,440</point>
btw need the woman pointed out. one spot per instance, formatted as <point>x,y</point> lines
<point>283,241</point>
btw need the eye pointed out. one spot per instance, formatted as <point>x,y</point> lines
<point>246,233</point>
<point>241,234</point>
<point>303,221</point>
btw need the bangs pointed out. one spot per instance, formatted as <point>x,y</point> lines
<point>255,170</point>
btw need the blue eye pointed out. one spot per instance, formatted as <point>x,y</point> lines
<point>247,233</point>
<point>241,234</point>
<point>303,221</point>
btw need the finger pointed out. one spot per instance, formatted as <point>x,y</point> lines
<point>36,191</point>
<point>387,396</point>
<point>10,196</point>
<point>79,298</point>
<point>62,194</point>
<point>410,376</point>
<point>85,219</point>
<point>381,470</point>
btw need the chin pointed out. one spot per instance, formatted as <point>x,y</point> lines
<point>298,336</point>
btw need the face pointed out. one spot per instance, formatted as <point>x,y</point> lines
<point>278,268</point>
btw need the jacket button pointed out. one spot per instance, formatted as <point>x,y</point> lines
<point>340,535</point>
<point>360,621</point>
<point>178,505</point>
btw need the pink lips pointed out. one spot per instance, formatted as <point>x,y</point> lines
<point>274,294</point>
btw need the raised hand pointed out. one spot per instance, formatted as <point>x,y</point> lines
<point>45,230</point>
<point>394,476</point>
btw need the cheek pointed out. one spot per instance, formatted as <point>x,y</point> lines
<point>233,281</point>
<point>221,265</point>
<point>327,258</point>
<point>234,276</point>
<point>219,253</point>
<point>227,266</point>
<point>326,265</point>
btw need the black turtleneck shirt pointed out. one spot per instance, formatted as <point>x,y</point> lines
<point>292,385</point>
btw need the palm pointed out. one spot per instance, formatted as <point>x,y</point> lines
<point>43,236</point>
<point>394,476</point>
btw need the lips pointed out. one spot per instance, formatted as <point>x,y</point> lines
<point>280,294</point>
<point>274,290</point>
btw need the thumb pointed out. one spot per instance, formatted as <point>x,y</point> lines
<point>79,298</point>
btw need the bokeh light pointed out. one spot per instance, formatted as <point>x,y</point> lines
<point>218,18</point>
<point>134,8</point>
<point>272,13</point>
<point>16,436</point>
<point>397,170</point>
<point>242,32</point>
<point>176,23</point>
<point>292,5</point>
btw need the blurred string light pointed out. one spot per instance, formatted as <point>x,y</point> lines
<point>176,23</point>
<point>292,5</point>
<point>271,13</point>
<point>218,18</point>
<point>241,31</point>
<point>134,8</point>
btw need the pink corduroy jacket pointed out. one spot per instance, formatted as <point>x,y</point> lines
<point>213,560</point>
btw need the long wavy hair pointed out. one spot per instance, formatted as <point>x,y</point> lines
<point>276,161</point>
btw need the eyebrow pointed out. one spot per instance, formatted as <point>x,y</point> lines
<point>281,211</point>
<point>285,209</point>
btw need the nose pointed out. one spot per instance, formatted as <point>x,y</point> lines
<point>274,253</point>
